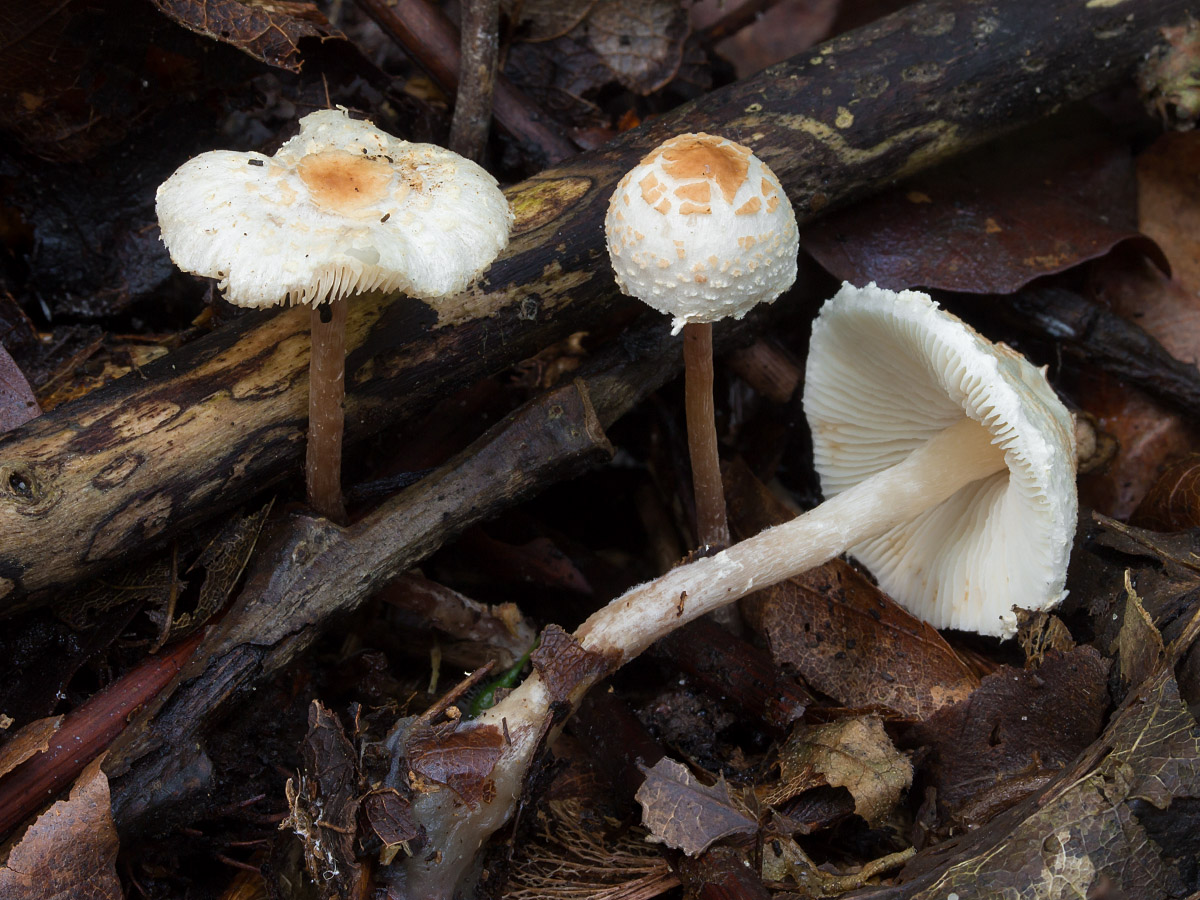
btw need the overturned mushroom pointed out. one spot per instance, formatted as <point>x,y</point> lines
<point>977,438</point>
<point>701,230</point>
<point>340,209</point>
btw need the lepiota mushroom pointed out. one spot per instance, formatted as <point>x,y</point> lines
<point>957,470</point>
<point>340,209</point>
<point>701,229</point>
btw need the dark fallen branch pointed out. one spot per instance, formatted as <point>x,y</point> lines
<point>1089,332</point>
<point>95,481</point>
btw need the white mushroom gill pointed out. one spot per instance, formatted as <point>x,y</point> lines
<point>996,544</point>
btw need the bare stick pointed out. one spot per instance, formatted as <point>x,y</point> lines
<point>477,78</point>
<point>326,418</point>
<point>430,39</point>
<point>712,530</point>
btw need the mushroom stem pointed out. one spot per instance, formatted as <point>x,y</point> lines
<point>951,460</point>
<point>326,418</point>
<point>935,471</point>
<point>712,531</point>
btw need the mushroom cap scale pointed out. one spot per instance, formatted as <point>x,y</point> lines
<point>886,372</point>
<point>341,208</point>
<point>701,229</point>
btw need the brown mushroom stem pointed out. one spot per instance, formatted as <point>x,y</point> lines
<point>712,530</point>
<point>326,419</point>
<point>951,460</point>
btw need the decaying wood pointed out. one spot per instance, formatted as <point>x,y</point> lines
<point>98,479</point>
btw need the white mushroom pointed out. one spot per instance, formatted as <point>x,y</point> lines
<point>886,373</point>
<point>982,467</point>
<point>340,209</point>
<point>702,230</point>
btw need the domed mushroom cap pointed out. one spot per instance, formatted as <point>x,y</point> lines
<point>886,372</point>
<point>702,230</point>
<point>340,209</point>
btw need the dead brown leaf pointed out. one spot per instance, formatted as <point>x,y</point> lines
<point>388,816</point>
<point>1018,726</point>
<point>460,759</point>
<point>1040,632</point>
<point>640,42</point>
<point>17,401</point>
<point>1086,835</point>
<point>70,852</point>
<point>545,20</point>
<point>1148,434</point>
<point>840,632</point>
<point>1173,501</point>
<point>1138,647</point>
<point>853,753</point>
<point>27,741</point>
<point>565,665</point>
<point>682,813</point>
<point>268,32</point>
<point>1039,203</point>
<point>1169,205</point>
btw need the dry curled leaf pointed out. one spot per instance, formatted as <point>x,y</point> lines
<point>70,852</point>
<point>268,32</point>
<point>685,814</point>
<point>855,754</point>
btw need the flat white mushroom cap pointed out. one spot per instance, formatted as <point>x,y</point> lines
<point>340,209</point>
<point>886,372</point>
<point>702,230</point>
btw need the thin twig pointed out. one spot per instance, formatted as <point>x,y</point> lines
<point>477,81</point>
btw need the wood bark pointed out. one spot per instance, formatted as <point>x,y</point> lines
<point>223,418</point>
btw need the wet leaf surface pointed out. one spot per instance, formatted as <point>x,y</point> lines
<point>70,852</point>
<point>852,753</point>
<point>992,223</point>
<point>461,759</point>
<point>1017,726</point>
<point>684,814</point>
